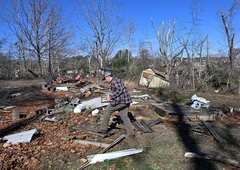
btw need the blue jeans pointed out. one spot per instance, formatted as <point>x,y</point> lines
<point>123,113</point>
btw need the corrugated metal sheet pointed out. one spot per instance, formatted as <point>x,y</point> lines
<point>94,103</point>
<point>25,136</point>
<point>112,155</point>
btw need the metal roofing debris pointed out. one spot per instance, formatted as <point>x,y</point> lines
<point>15,94</point>
<point>8,107</point>
<point>94,103</point>
<point>136,91</point>
<point>134,103</point>
<point>112,155</point>
<point>51,119</point>
<point>103,151</point>
<point>62,88</point>
<point>20,137</point>
<point>144,96</point>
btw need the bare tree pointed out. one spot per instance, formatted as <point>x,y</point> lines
<point>100,28</point>
<point>5,61</point>
<point>128,34</point>
<point>11,14</point>
<point>58,36</point>
<point>169,51</point>
<point>39,31</point>
<point>175,41</point>
<point>230,30</point>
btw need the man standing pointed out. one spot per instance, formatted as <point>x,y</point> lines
<point>120,100</point>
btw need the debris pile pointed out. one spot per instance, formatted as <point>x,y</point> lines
<point>47,126</point>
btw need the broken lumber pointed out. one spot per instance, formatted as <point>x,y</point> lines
<point>90,86</point>
<point>103,151</point>
<point>89,130</point>
<point>143,126</point>
<point>84,142</point>
<point>154,122</point>
<point>16,125</point>
<point>212,131</point>
<point>212,157</point>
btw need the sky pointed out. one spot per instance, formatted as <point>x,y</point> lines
<point>143,11</point>
<point>164,10</point>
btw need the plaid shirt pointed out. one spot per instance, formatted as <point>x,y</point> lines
<point>119,93</point>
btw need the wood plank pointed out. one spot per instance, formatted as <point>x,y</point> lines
<point>174,112</point>
<point>84,142</point>
<point>89,130</point>
<point>103,151</point>
<point>139,126</point>
<point>212,131</point>
<point>143,126</point>
<point>17,124</point>
<point>154,122</point>
<point>149,129</point>
<point>175,109</point>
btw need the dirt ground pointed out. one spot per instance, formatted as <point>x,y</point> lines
<point>54,146</point>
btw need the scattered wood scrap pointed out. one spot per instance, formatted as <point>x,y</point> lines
<point>174,112</point>
<point>88,129</point>
<point>213,157</point>
<point>212,131</point>
<point>103,151</point>
<point>155,122</point>
<point>143,126</point>
<point>84,142</point>
<point>17,124</point>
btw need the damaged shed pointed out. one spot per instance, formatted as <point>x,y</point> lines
<point>153,79</point>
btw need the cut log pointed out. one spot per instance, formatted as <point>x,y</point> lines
<point>213,157</point>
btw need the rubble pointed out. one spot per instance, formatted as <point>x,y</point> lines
<point>65,130</point>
